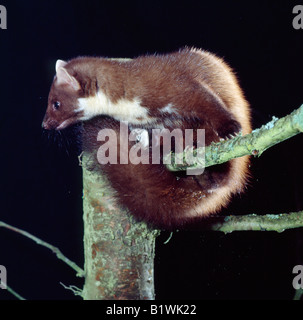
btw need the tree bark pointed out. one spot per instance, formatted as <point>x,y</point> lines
<point>119,251</point>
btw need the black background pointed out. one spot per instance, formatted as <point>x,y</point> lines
<point>41,189</point>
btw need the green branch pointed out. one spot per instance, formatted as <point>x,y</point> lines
<point>14,293</point>
<point>254,143</point>
<point>59,254</point>
<point>254,222</point>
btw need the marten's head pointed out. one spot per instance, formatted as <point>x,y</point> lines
<point>62,110</point>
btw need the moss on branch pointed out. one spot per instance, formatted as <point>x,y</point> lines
<point>254,222</point>
<point>255,143</point>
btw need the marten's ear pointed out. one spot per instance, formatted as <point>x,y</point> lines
<point>60,64</point>
<point>63,77</point>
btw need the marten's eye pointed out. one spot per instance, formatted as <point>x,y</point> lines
<point>56,105</point>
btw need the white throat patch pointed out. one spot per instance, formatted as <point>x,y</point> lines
<point>122,110</point>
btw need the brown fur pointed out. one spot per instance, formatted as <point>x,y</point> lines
<point>205,93</point>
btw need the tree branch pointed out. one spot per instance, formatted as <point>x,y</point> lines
<point>14,293</point>
<point>254,222</point>
<point>254,143</point>
<point>298,294</point>
<point>119,251</point>
<point>59,254</point>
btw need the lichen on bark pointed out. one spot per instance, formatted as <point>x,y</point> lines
<point>255,143</point>
<point>119,251</point>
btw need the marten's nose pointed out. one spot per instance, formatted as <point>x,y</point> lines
<point>49,124</point>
